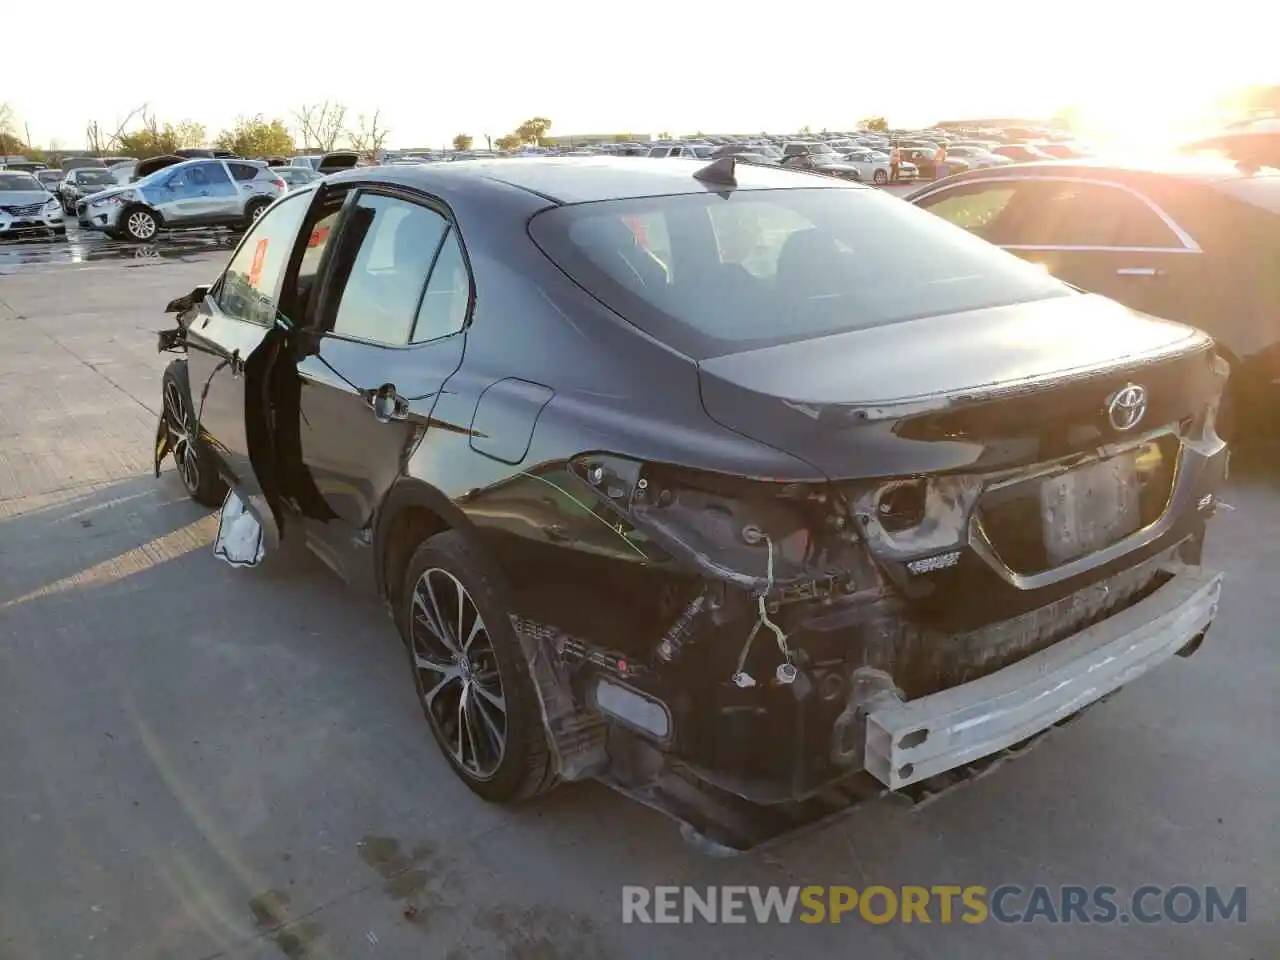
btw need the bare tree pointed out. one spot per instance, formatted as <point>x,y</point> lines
<point>369,137</point>
<point>321,126</point>
<point>93,138</point>
<point>99,141</point>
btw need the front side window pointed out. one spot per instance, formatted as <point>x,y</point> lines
<point>756,268</point>
<point>249,288</point>
<point>384,288</point>
<point>979,208</point>
<point>1068,214</point>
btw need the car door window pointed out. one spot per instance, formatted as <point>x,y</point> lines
<point>215,174</point>
<point>444,305</point>
<point>243,171</point>
<point>249,288</point>
<point>982,209</point>
<point>384,288</point>
<point>1070,214</point>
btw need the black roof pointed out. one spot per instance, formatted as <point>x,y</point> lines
<point>588,179</point>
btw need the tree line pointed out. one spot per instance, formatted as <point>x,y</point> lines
<point>321,127</point>
<point>313,127</point>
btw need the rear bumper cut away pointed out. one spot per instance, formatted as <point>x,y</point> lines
<point>907,742</point>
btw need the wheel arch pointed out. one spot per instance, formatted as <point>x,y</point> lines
<point>412,511</point>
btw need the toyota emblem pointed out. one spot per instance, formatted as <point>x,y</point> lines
<point>1127,406</point>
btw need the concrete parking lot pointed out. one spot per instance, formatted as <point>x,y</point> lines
<point>204,762</point>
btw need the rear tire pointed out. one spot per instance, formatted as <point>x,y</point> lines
<point>195,465</point>
<point>880,177</point>
<point>254,210</point>
<point>473,683</point>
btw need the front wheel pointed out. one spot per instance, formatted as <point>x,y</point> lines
<point>470,672</point>
<point>139,225</point>
<point>195,465</point>
<point>881,177</point>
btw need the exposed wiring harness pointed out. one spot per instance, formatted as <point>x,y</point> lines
<point>786,670</point>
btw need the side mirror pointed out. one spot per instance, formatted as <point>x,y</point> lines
<point>183,304</point>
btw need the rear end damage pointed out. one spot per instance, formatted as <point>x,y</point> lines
<point>773,653</point>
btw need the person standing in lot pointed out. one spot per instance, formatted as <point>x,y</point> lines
<point>895,161</point>
<point>940,162</point>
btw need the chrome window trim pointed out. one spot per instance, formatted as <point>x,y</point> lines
<point>1189,244</point>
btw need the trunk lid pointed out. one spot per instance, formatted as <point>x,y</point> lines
<point>984,389</point>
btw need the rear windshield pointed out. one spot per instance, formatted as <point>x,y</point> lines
<point>711,274</point>
<point>94,178</point>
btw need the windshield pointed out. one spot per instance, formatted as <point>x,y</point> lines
<point>49,176</point>
<point>711,274</point>
<point>95,178</point>
<point>19,181</point>
<point>157,178</point>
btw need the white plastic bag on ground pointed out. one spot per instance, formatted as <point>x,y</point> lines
<point>239,539</point>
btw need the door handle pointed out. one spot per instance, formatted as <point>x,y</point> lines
<point>204,193</point>
<point>1139,272</point>
<point>387,405</point>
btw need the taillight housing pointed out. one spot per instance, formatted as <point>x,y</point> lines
<point>749,532</point>
<point>279,184</point>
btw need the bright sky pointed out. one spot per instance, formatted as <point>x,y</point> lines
<point>437,69</point>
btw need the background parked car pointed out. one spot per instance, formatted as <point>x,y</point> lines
<point>73,163</point>
<point>296,177</point>
<point>1022,152</point>
<point>27,208</point>
<point>192,193</point>
<point>1254,143</point>
<point>820,158</point>
<point>977,158</point>
<point>49,179</point>
<point>1195,242</point>
<point>83,182</point>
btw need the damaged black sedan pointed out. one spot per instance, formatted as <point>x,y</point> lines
<point>748,492</point>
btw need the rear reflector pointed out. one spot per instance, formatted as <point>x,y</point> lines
<point>633,708</point>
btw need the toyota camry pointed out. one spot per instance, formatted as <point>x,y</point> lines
<point>749,492</point>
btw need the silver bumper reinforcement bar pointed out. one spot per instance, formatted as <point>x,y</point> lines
<point>917,739</point>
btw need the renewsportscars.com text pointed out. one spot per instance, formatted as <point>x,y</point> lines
<point>1008,903</point>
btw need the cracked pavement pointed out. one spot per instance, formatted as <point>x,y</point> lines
<point>207,762</point>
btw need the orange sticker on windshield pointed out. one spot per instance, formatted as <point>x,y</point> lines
<point>259,254</point>
<point>638,230</point>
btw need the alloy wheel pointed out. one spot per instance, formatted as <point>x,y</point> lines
<point>181,428</point>
<point>142,225</point>
<point>257,212</point>
<point>456,672</point>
